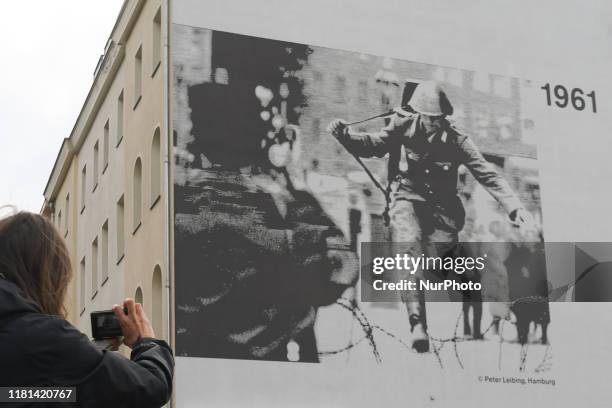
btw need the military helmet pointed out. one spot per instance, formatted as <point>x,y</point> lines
<point>429,99</point>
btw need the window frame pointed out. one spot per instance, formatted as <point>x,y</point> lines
<point>106,146</point>
<point>138,76</point>
<point>156,180</point>
<point>94,268</point>
<point>120,118</point>
<point>96,165</point>
<point>83,187</point>
<point>157,43</point>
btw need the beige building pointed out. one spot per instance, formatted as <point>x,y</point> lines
<point>108,190</point>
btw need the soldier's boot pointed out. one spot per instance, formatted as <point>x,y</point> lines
<point>420,339</point>
<point>418,327</point>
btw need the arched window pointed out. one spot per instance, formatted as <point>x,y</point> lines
<point>137,195</point>
<point>138,296</point>
<point>157,313</point>
<point>156,168</point>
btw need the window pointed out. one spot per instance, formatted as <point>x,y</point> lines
<point>137,195</point>
<point>317,76</point>
<point>83,187</point>
<point>120,230</point>
<point>105,147</point>
<point>138,296</point>
<point>340,88</point>
<point>94,268</point>
<point>156,168</point>
<point>157,41</point>
<point>82,285</point>
<point>316,128</point>
<point>59,220</point>
<point>67,214</point>
<point>104,252</point>
<point>157,302</point>
<point>137,76</point>
<point>96,159</point>
<point>120,118</point>
<point>362,91</point>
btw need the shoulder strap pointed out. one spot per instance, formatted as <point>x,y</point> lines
<point>455,134</point>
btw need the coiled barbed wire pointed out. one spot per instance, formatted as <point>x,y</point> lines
<point>437,343</point>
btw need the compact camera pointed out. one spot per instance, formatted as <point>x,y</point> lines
<point>105,325</point>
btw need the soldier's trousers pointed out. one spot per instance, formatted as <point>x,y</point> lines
<point>417,224</point>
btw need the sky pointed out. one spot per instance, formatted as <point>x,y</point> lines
<point>49,52</point>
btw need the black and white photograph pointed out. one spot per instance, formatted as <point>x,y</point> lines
<point>287,157</point>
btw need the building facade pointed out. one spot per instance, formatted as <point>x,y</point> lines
<point>106,191</point>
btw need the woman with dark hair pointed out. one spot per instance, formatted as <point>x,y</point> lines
<point>38,347</point>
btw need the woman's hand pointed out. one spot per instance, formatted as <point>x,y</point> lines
<point>135,324</point>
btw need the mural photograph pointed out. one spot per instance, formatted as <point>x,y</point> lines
<point>288,157</point>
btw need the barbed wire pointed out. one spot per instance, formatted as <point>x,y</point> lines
<point>546,363</point>
<point>437,343</point>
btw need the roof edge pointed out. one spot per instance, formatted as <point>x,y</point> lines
<point>108,66</point>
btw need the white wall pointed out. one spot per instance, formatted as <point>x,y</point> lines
<point>546,41</point>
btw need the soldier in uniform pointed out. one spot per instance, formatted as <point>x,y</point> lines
<point>425,152</point>
<point>257,255</point>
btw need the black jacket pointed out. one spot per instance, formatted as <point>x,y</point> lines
<point>37,349</point>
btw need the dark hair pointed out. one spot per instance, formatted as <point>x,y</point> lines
<point>34,257</point>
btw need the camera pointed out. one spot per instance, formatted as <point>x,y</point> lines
<point>105,325</point>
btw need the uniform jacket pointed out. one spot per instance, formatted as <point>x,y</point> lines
<point>43,350</point>
<point>428,170</point>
